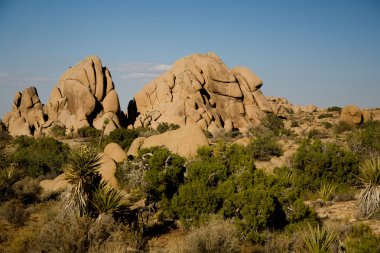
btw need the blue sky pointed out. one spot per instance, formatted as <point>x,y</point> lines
<point>311,52</point>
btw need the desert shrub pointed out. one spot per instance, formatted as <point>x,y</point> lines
<point>64,234</point>
<point>326,191</point>
<point>8,176</point>
<point>216,235</point>
<point>294,123</point>
<point>342,126</point>
<point>40,156</point>
<point>362,240</point>
<point>27,190</point>
<point>366,139</point>
<point>5,138</point>
<point>273,123</point>
<point>369,198</point>
<point>124,137</point>
<point>315,162</point>
<point>334,109</point>
<point>327,125</point>
<point>325,115</point>
<point>315,134</point>
<point>264,146</point>
<point>89,132</point>
<point>58,131</point>
<point>164,127</point>
<point>14,212</point>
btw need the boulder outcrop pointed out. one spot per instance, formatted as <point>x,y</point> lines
<point>183,141</point>
<point>200,89</point>
<point>353,115</point>
<point>84,96</point>
<point>26,117</point>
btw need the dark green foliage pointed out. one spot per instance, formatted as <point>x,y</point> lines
<point>325,115</point>
<point>89,132</point>
<point>327,125</point>
<point>124,137</point>
<point>334,109</point>
<point>58,131</point>
<point>366,139</point>
<point>294,124</point>
<point>362,240</point>
<point>315,162</point>
<point>40,156</point>
<point>264,146</point>
<point>163,127</point>
<point>273,123</point>
<point>164,175</point>
<point>342,126</point>
<point>207,133</point>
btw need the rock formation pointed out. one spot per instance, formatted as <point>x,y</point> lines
<point>201,89</point>
<point>26,117</point>
<point>84,96</point>
<point>354,115</point>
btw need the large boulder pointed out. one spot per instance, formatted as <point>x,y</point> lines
<point>116,152</point>
<point>351,114</point>
<point>183,141</point>
<point>200,89</point>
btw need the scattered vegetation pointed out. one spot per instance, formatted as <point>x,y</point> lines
<point>319,239</point>
<point>89,132</point>
<point>164,127</point>
<point>369,198</point>
<point>365,140</point>
<point>334,109</point>
<point>342,126</point>
<point>58,131</point>
<point>264,146</point>
<point>325,115</point>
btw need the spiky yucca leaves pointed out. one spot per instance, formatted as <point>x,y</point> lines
<point>369,198</point>
<point>326,191</point>
<point>107,200</point>
<point>319,239</point>
<point>82,174</point>
<point>8,177</point>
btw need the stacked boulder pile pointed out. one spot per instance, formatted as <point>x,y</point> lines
<point>84,96</point>
<point>201,90</point>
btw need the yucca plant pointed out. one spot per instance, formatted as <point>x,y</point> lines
<point>82,174</point>
<point>326,191</point>
<point>107,200</point>
<point>369,198</point>
<point>319,239</point>
<point>8,177</point>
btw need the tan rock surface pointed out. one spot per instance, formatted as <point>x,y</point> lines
<point>184,141</point>
<point>351,114</point>
<point>107,170</point>
<point>116,152</point>
<point>201,89</point>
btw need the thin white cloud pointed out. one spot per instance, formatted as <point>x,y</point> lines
<point>23,79</point>
<point>139,72</point>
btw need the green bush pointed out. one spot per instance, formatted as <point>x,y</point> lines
<point>58,131</point>
<point>40,156</point>
<point>315,134</point>
<point>273,123</point>
<point>366,139</point>
<point>342,126</point>
<point>327,125</point>
<point>294,124</point>
<point>334,109</point>
<point>315,163</point>
<point>362,240</point>
<point>325,115</point>
<point>124,137</point>
<point>89,132</point>
<point>264,146</point>
<point>164,127</point>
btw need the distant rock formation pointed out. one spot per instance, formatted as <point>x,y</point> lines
<point>201,89</point>
<point>84,96</point>
<point>26,117</point>
<point>354,115</point>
